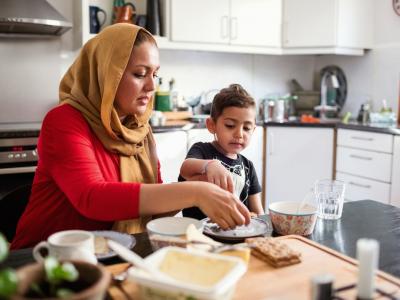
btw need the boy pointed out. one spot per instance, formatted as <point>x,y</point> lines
<point>232,122</point>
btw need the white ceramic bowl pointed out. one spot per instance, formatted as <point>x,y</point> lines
<point>170,231</point>
<point>286,218</point>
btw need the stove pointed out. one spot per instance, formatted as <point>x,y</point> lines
<point>18,147</point>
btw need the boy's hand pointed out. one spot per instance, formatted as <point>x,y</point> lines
<point>217,174</point>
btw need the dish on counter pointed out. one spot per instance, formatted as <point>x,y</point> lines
<point>257,227</point>
<point>194,274</point>
<point>102,251</point>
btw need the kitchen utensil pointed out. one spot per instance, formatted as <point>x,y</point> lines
<point>340,94</point>
<point>127,240</point>
<point>169,227</point>
<point>330,197</point>
<point>257,227</point>
<point>286,220</point>
<point>137,261</point>
<point>67,245</point>
<point>95,23</point>
<point>153,21</point>
<point>125,13</point>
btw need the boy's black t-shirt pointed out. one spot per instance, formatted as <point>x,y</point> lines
<point>238,166</point>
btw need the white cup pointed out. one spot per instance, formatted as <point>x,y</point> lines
<point>68,245</point>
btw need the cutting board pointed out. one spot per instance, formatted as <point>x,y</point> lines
<point>294,282</point>
<point>262,281</point>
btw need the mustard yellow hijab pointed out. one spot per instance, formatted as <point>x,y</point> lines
<point>90,86</point>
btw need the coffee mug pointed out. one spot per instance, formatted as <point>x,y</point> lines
<point>68,245</point>
<point>95,23</point>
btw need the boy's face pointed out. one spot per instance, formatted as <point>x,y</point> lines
<point>233,129</point>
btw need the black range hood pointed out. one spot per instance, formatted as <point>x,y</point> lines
<point>31,18</point>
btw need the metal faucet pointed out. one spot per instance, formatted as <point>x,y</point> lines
<point>324,107</point>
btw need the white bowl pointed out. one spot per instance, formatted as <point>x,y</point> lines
<point>222,289</point>
<point>170,231</point>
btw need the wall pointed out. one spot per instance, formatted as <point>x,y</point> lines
<point>196,71</point>
<point>377,74</point>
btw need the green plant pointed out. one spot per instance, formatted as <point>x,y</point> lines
<point>58,275</point>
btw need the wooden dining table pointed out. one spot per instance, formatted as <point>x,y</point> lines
<point>360,219</point>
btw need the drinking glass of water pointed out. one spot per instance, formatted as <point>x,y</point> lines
<point>330,196</point>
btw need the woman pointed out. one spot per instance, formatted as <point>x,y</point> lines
<point>97,158</point>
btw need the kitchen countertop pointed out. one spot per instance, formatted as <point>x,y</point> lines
<point>336,123</point>
<point>360,219</point>
<point>378,128</point>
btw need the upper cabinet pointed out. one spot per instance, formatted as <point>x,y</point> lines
<point>328,23</point>
<point>253,26</point>
<point>275,26</point>
<point>232,22</point>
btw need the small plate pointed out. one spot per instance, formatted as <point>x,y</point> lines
<point>124,239</point>
<point>256,227</point>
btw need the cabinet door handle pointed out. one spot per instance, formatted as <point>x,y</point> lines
<point>366,186</point>
<point>361,138</point>
<point>224,27</point>
<point>360,157</point>
<point>234,28</point>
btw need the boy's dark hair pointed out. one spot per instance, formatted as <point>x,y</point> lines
<point>234,95</point>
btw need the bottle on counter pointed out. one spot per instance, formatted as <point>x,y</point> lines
<point>162,99</point>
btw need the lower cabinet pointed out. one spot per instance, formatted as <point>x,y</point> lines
<point>395,188</point>
<point>358,188</point>
<point>295,158</point>
<point>171,150</point>
<point>365,163</point>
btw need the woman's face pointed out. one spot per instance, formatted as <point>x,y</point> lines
<point>137,84</point>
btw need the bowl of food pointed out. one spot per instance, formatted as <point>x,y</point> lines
<point>292,217</point>
<point>191,275</point>
<point>170,231</point>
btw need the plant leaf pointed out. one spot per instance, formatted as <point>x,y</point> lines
<point>8,282</point>
<point>70,273</point>
<point>3,248</point>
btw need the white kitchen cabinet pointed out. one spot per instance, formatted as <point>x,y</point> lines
<point>365,163</point>
<point>274,26</point>
<point>171,150</point>
<point>295,158</point>
<point>328,23</point>
<point>198,135</point>
<point>254,152</point>
<point>236,22</point>
<point>395,187</point>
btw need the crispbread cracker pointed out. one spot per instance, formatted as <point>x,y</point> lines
<point>100,245</point>
<point>273,252</point>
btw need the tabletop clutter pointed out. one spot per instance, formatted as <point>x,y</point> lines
<point>192,261</point>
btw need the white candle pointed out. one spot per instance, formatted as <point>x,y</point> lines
<point>367,255</point>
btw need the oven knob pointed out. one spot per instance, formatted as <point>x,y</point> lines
<point>34,152</point>
<point>17,155</point>
<point>10,156</point>
<point>23,155</point>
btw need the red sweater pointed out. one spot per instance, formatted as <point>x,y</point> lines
<point>77,182</point>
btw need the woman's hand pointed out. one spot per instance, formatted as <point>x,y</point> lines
<point>221,206</point>
<point>219,175</point>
